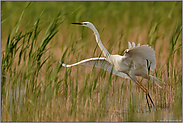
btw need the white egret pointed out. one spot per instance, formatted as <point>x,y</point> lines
<point>136,61</point>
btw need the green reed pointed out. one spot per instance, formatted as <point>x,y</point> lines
<point>35,87</point>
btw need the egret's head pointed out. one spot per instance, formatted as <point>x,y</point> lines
<point>87,24</point>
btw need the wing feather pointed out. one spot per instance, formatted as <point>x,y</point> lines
<point>142,53</point>
<point>99,63</point>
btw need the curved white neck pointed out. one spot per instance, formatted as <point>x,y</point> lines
<point>103,49</point>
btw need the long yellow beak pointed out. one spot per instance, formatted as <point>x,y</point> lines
<point>79,23</point>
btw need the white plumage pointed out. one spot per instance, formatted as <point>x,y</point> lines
<point>136,61</point>
<point>99,63</point>
<point>142,52</point>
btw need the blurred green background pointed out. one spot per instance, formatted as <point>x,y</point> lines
<point>117,18</point>
<point>117,14</point>
<point>37,88</point>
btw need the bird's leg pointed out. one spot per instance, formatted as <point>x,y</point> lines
<point>148,103</point>
<point>146,92</point>
<point>142,87</point>
<point>150,99</point>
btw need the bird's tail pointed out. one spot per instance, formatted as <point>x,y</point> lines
<point>155,80</point>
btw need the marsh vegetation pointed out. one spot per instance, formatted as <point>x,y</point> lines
<point>36,35</point>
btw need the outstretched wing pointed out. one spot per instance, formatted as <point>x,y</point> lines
<point>141,55</point>
<point>99,63</point>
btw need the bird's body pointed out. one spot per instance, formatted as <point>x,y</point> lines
<point>136,61</point>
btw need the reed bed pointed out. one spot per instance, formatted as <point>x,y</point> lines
<point>37,35</point>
